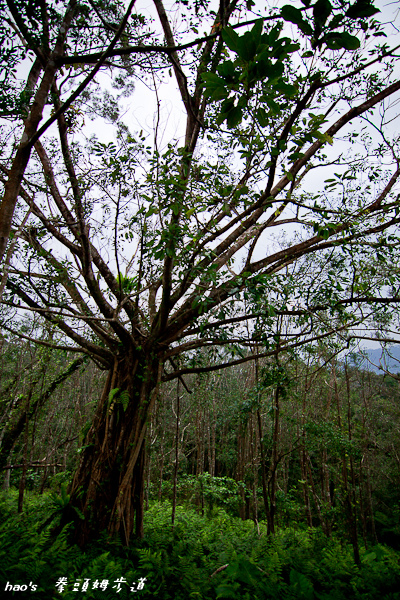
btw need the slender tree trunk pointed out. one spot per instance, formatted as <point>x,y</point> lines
<point>149,461</point>
<point>369,498</point>
<point>176,456</point>
<point>304,477</point>
<point>7,473</point>
<point>44,479</point>
<point>274,463</point>
<point>200,456</point>
<point>213,438</point>
<point>147,470</point>
<point>200,442</point>
<point>317,500</point>
<point>22,481</point>
<point>255,465</point>
<point>263,469</point>
<point>303,456</point>
<point>241,469</point>
<point>362,508</point>
<point>108,486</point>
<point>162,461</point>
<point>138,496</point>
<point>325,490</point>
<point>207,423</point>
<point>350,493</point>
<point>365,466</point>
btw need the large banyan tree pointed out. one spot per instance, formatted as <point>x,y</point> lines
<point>262,216</point>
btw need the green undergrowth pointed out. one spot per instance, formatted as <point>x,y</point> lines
<point>212,557</point>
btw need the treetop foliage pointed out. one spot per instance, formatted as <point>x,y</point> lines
<point>166,247</point>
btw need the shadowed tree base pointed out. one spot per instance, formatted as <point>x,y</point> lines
<point>108,486</point>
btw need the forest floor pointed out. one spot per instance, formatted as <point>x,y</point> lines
<point>215,556</point>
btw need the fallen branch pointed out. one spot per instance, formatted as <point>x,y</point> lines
<point>219,570</point>
<point>35,464</point>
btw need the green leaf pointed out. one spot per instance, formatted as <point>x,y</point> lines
<point>227,71</point>
<point>349,42</point>
<point>124,398</point>
<point>247,46</point>
<point>273,106</point>
<point>256,32</point>
<point>234,117</point>
<point>227,105</point>
<point>301,585</point>
<point>332,40</point>
<point>294,15</point>
<point>321,11</point>
<point>227,590</point>
<point>262,117</point>
<point>335,21</point>
<point>230,38</point>
<point>79,513</point>
<point>289,48</point>
<point>362,9</point>
<point>337,41</point>
<point>275,71</point>
<point>265,68</point>
<point>190,212</point>
<point>324,233</point>
<point>368,558</point>
<point>288,90</point>
<point>112,395</point>
<point>65,497</point>
<point>215,86</point>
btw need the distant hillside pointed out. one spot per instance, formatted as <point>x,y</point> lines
<point>378,360</point>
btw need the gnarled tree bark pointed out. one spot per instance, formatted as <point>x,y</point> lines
<point>108,485</point>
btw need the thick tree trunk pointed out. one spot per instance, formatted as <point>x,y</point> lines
<point>108,487</point>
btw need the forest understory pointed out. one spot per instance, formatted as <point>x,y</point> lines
<point>262,481</point>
